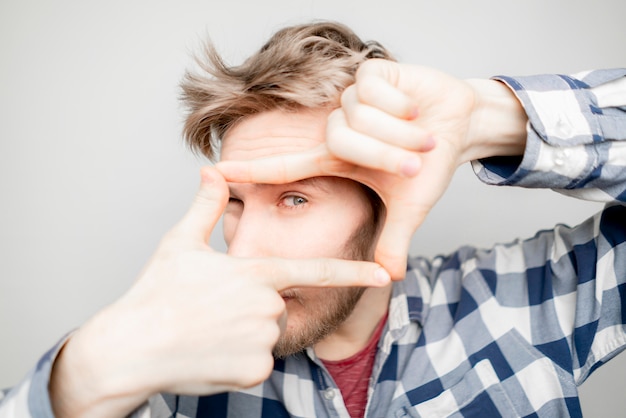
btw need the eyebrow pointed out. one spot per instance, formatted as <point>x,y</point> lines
<point>318,183</point>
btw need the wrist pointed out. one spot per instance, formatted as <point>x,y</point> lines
<point>86,378</point>
<point>498,122</point>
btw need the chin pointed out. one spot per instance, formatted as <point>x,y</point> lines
<point>311,319</point>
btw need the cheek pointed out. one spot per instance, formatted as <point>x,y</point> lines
<point>319,230</point>
<point>314,305</point>
<point>312,301</point>
<point>311,236</point>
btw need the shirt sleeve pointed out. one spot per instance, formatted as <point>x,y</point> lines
<point>576,142</point>
<point>571,282</point>
<point>30,398</point>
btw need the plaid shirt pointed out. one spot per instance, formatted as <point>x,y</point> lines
<point>511,331</point>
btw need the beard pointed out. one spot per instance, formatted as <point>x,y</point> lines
<point>323,310</point>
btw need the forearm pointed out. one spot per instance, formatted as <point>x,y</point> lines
<point>93,375</point>
<point>59,387</point>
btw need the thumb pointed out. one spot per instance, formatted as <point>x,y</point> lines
<point>207,207</point>
<point>393,244</point>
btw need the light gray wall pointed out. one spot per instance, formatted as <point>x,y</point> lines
<point>93,170</point>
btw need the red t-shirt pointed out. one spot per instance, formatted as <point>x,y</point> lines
<point>352,375</point>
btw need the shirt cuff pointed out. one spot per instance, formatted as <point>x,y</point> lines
<point>562,135</point>
<point>31,399</point>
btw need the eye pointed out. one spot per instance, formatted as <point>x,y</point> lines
<point>293,201</point>
<point>234,202</point>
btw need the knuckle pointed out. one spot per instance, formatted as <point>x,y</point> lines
<point>323,274</point>
<point>367,67</point>
<point>367,90</point>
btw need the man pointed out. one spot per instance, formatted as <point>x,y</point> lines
<point>506,332</point>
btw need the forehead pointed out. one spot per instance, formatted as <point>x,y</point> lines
<point>273,133</point>
<point>278,132</point>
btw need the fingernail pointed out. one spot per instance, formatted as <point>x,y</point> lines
<point>381,276</point>
<point>410,167</point>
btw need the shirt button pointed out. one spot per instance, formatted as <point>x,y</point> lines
<point>560,157</point>
<point>563,127</point>
<point>329,394</point>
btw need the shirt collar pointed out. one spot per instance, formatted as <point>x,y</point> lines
<point>410,300</point>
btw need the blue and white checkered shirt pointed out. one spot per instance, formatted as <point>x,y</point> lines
<point>511,331</point>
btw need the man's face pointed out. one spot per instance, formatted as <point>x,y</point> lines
<point>316,217</point>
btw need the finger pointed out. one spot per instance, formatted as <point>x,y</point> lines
<point>282,169</point>
<point>377,123</point>
<point>393,244</point>
<point>322,272</point>
<point>377,83</point>
<point>364,150</point>
<point>207,207</point>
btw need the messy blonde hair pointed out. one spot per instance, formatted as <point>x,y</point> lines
<point>300,67</point>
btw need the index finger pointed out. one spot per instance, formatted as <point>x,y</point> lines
<point>321,272</point>
<point>277,169</point>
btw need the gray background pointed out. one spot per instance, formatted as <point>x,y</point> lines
<point>93,170</point>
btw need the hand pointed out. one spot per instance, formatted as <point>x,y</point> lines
<point>402,130</point>
<point>195,322</point>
